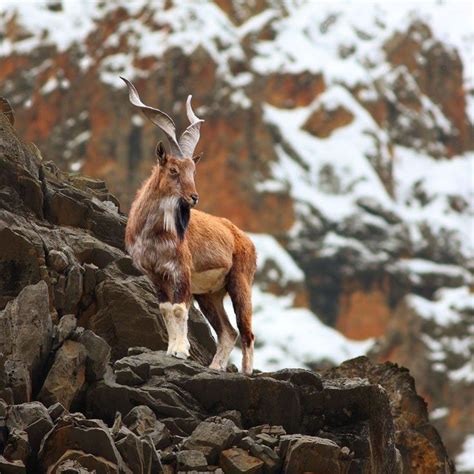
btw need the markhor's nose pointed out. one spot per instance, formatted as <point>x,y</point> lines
<point>195,198</point>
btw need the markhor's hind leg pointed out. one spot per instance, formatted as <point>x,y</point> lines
<point>212,306</point>
<point>240,292</point>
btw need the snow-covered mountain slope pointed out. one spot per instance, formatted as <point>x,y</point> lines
<point>339,133</point>
<point>289,336</point>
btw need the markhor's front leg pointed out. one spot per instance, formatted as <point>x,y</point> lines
<point>182,301</point>
<point>175,314</point>
<point>171,327</point>
<point>181,347</point>
<point>175,317</point>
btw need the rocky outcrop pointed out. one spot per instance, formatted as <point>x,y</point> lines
<point>64,243</point>
<point>77,396</point>
<point>420,445</point>
<point>177,414</point>
<point>423,341</point>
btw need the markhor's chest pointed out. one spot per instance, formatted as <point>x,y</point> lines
<point>155,249</point>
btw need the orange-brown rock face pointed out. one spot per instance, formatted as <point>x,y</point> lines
<point>323,122</point>
<point>409,340</point>
<point>363,313</point>
<point>438,72</point>
<point>292,90</point>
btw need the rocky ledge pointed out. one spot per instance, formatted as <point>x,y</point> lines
<point>86,387</point>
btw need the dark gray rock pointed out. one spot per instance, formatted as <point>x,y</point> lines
<point>57,260</point>
<point>32,418</point>
<point>181,426</point>
<point>37,431</point>
<point>128,377</point>
<point>17,447</point>
<point>249,396</point>
<point>77,462</point>
<point>267,440</point>
<point>137,350</point>
<point>56,410</point>
<point>271,460</point>
<point>25,339</point>
<point>22,415</point>
<point>74,286</point>
<point>140,419</point>
<point>313,454</point>
<point>238,461</point>
<point>3,408</point>
<point>138,453</point>
<point>191,460</point>
<point>213,437</point>
<point>98,355</point>
<point>72,431</point>
<point>11,467</point>
<point>234,416</point>
<point>270,430</point>
<point>217,435</point>
<point>299,377</point>
<point>66,377</point>
<point>66,326</point>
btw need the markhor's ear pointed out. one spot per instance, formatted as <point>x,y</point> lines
<point>161,153</point>
<point>197,158</point>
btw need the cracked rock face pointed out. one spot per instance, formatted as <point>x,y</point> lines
<point>85,385</point>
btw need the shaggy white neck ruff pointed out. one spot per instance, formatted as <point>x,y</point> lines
<point>168,210</point>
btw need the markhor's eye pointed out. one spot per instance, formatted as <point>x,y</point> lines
<point>173,171</point>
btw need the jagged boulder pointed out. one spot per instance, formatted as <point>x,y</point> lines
<point>25,340</point>
<point>300,401</point>
<point>71,431</point>
<point>419,444</point>
<point>66,377</point>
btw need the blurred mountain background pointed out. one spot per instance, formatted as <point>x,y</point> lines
<point>339,134</point>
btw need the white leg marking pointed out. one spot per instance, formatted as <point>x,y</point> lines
<point>181,348</point>
<point>224,348</point>
<point>247,358</point>
<point>170,323</point>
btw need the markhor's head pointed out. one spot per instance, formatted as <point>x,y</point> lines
<point>178,168</point>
